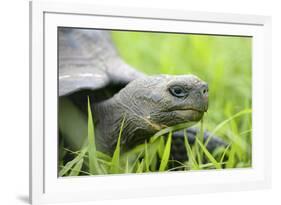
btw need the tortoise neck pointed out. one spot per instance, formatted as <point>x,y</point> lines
<point>104,118</point>
<point>108,119</point>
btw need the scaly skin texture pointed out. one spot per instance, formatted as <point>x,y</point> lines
<point>148,105</point>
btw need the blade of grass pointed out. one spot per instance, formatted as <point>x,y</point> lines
<point>81,171</point>
<point>72,163</point>
<point>231,158</point>
<point>93,162</point>
<point>210,165</point>
<point>197,152</point>
<point>151,153</point>
<point>127,166</point>
<point>153,164</point>
<point>224,153</point>
<point>178,167</point>
<point>104,168</point>
<point>77,168</point>
<point>161,147</point>
<point>140,166</point>
<point>146,157</point>
<point>201,133</point>
<point>172,129</point>
<point>133,167</point>
<point>166,154</point>
<point>189,151</point>
<point>208,154</point>
<point>103,156</point>
<point>201,138</point>
<point>150,147</point>
<point>115,163</point>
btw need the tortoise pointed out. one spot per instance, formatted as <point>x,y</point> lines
<point>89,65</point>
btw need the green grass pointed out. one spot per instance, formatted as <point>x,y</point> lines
<point>144,157</point>
<point>223,62</point>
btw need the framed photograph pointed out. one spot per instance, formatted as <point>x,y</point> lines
<point>129,102</point>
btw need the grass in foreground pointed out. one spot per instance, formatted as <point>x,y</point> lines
<point>154,155</point>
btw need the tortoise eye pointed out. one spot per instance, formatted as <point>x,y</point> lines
<point>178,91</point>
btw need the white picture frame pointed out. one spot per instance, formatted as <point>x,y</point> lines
<point>46,187</point>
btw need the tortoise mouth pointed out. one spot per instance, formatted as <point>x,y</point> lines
<point>191,114</point>
<point>190,109</point>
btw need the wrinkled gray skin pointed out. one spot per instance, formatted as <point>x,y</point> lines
<point>90,66</point>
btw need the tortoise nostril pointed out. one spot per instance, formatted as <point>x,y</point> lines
<point>204,89</point>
